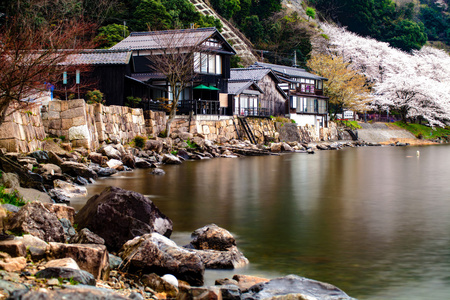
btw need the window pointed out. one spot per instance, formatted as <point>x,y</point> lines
<point>293,102</point>
<point>207,63</point>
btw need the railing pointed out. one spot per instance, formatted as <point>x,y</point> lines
<point>256,112</point>
<point>200,107</point>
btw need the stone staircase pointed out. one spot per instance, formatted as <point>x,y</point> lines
<point>239,42</point>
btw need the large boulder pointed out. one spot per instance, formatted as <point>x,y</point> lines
<point>154,145</point>
<point>91,258</point>
<point>170,159</point>
<point>85,236</point>
<point>295,287</point>
<point>77,292</point>
<point>29,195</point>
<point>154,253</point>
<point>77,169</point>
<point>118,215</point>
<point>34,218</point>
<point>111,152</point>
<point>212,237</point>
<point>69,190</point>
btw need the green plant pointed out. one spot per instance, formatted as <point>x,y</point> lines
<point>139,142</point>
<point>174,152</point>
<point>162,134</point>
<point>191,144</point>
<point>71,96</point>
<point>62,137</point>
<point>423,131</point>
<point>28,112</point>
<point>132,101</point>
<point>11,198</point>
<point>94,96</point>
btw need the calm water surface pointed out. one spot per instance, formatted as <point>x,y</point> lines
<point>373,221</point>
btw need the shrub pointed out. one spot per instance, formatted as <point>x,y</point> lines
<point>139,142</point>
<point>132,101</point>
<point>191,144</point>
<point>11,198</point>
<point>162,134</point>
<point>94,96</point>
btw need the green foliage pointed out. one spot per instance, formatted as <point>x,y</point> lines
<point>311,12</point>
<point>235,62</point>
<point>351,124</point>
<point>133,101</point>
<point>174,152</point>
<point>380,19</point>
<point>110,35</point>
<point>139,142</point>
<point>191,144</point>
<point>281,119</point>
<point>423,131</point>
<point>162,134</point>
<point>151,15</point>
<point>94,96</point>
<point>11,198</point>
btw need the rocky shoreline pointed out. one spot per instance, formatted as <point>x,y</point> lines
<point>117,246</point>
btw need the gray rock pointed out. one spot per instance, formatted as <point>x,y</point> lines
<point>154,253</point>
<point>37,220</point>
<point>230,259</point>
<point>111,152</point>
<point>77,169</point>
<point>9,287</point>
<point>40,156</point>
<point>128,160</point>
<point>97,158</point>
<point>105,172</point>
<point>11,208</point>
<point>72,292</point>
<point>295,287</point>
<point>69,231</point>
<point>160,285</point>
<point>170,159</point>
<point>114,261</point>
<point>81,180</point>
<point>118,215</point>
<point>158,171</point>
<point>29,194</point>
<point>85,236</point>
<point>154,145</point>
<point>212,237</point>
<point>142,163</point>
<point>69,190</point>
<point>80,276</point>
<point>10,180</point>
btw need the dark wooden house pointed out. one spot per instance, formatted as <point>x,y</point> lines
<point>210,65</point>
<point>271,101</point>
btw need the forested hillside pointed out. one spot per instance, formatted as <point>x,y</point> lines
<point>404,24</point>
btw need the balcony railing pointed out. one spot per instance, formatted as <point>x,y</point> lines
<point>200,107</point>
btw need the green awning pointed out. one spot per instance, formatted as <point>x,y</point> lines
<point>201,87</point>
<point>204,87</point>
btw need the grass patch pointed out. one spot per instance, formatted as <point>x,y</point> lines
<point>11,198</point>
<point>352,124</point>
<point>425,132</point>
<point>191,144</point>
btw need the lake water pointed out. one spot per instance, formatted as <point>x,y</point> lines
<point>374,221</point>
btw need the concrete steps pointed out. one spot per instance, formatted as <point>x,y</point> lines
<point>239,42</point>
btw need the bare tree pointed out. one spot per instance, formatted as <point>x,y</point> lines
<point>32,56</point>
<point>175,57</point>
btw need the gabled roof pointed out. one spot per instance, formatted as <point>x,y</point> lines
<point>255,74</point>
<point>99,57</point>
<point>153,40</point>
<point>237,87</point>
<point>288,71</point>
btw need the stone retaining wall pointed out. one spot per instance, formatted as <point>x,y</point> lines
<point>22,131</point>
<point>90,125</point>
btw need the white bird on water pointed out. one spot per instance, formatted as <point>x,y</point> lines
<point>418,153</point>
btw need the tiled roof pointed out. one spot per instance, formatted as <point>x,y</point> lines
<point>147,76</point>
<point>255,74</point>
<point>287,71</point>
<point>161,39</point>
<point>237,87</point>
<point>99,57</point>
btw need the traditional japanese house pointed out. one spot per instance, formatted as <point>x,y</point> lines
<point>246,98</point>
<point>109,71</point>
<point>271,100</point>
<point>210,65</point>
<point>307,104</point>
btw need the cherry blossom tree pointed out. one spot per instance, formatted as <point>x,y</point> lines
<point>416,85</point>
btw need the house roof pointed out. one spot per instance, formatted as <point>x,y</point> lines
<point>238,87</point>
<point>99,57</point>
<point>147,76</point>
<point>288,71</point>
<point>153,40</point>
<point>255,74</point>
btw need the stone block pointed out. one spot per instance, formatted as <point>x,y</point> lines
<point>64,106</point>
<point>54,105</point>
<point>78,121</point>
<point>8,130</point>
<point>76,103</point>
<point>79,133</point>
<point>14,248</point>
<point>54,115</point>
<point>73,113</point>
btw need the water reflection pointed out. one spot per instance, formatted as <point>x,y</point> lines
<point>373,221</point>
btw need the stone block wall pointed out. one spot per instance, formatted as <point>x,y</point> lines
<point>22,130</point>
<point>155,122</point>
<point>70,120</point>
<point>117,123</point>
<point>210,129</point>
